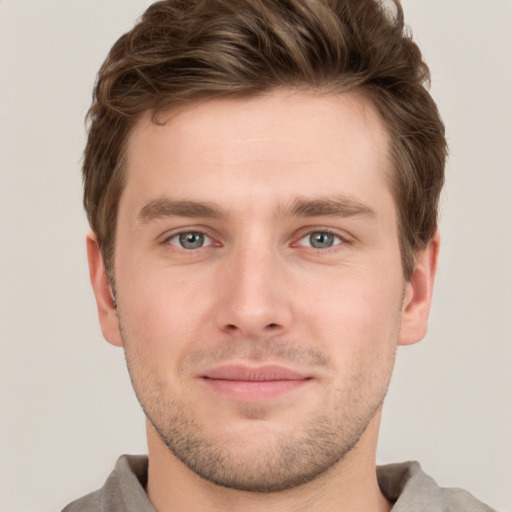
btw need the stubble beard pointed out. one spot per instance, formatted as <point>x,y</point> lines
<point>270,464</point>
<point>283,464</point>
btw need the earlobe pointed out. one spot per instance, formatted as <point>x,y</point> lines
<point>418,294</point>
<point>105,302</point>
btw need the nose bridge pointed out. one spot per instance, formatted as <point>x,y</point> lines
<point>253,300</point>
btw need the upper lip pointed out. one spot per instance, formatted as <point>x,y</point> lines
<point>253,374</point>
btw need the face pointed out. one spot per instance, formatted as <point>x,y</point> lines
<point>260,292</point>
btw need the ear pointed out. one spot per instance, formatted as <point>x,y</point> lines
<point>107,312</point>
<point>418,294</point>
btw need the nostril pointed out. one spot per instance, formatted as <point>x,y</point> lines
<point>251,331</point>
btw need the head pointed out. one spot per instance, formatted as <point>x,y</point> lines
<point>181,52</point>
<point>262,181</point>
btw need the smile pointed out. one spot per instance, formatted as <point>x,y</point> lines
<point>253,384</point>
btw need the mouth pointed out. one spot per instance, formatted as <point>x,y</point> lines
<point>244,383</point>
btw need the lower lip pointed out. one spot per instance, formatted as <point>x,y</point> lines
<point>243,390</point>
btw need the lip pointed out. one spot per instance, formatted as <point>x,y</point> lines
<point>244,383</point>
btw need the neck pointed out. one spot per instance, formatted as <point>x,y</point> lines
<point>351,485</point>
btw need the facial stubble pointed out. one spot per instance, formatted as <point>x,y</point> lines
<point>269,460</point>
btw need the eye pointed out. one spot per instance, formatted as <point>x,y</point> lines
<point>320,240</point>
<point>190,240</point>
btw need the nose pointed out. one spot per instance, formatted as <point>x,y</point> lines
<point>254,297</point>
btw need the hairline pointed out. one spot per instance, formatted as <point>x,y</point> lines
<point>363,91</point>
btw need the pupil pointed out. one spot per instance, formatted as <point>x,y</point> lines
<point>191,240</point>
<point>321,240</point>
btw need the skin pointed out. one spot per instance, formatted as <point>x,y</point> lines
<point>255,292</point>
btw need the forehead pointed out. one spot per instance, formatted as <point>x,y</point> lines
<point>286,142</point>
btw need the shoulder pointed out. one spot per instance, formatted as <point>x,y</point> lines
<point>409,488</point>
<point>123,490</point>
<point>89,503</point>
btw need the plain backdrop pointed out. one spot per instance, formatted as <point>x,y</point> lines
<point>66,406</point>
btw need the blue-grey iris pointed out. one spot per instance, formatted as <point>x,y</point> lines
<point>321,240</point>
<point>191,240</point>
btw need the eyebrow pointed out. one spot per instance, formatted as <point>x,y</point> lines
<point>328,206</point>
<point>299,207</point>
<point>166,207</point>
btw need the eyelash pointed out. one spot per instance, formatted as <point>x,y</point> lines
<point>342,239</point>
<point>168,239</point>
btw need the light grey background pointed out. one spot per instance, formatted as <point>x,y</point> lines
<point>67,409</point>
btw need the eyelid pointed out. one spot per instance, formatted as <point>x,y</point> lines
<point>207,240</point>
<point>343,237</point>
<point>173,234</point>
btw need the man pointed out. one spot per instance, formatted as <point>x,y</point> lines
<point>261,180</point>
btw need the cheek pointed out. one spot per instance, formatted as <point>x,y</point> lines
<point>359,327</point>
<point>356,312</point>
<point>162,315</point>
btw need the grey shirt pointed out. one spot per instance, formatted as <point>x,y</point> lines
<point>405,485</point>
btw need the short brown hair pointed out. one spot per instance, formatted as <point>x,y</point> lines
<point>183,50</point>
